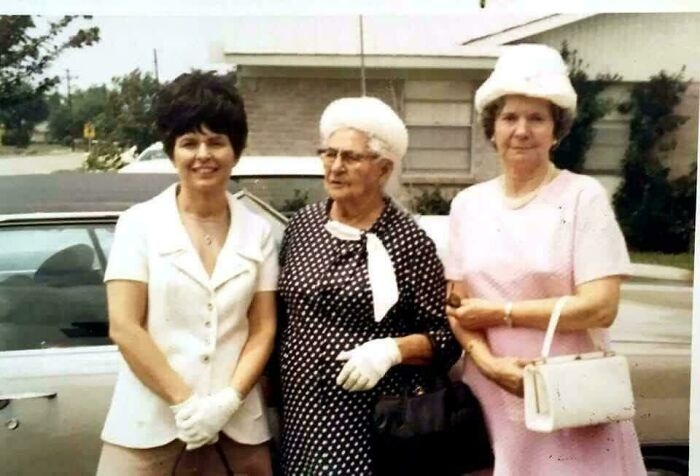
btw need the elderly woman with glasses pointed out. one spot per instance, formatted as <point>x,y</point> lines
<point>517,244</point>
<point>362,291</point>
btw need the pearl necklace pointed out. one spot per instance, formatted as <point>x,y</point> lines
<point>515,203</point>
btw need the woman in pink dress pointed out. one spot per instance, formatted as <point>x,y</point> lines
<point>518,243</point>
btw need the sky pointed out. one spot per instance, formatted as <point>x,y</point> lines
<point>189,35</point>
<point>185,42</point>
<point>127,43</point>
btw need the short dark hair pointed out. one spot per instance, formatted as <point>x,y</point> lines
<point>197,99</point>
<point>561,117</point>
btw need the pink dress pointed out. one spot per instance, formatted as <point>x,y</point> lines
<point>564,237</point>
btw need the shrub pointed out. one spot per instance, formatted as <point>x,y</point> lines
<point>590,107</point>
<point>655,213</point>
<point>431,203</point>
<point>103,156</point>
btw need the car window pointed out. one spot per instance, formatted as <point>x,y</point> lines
<point>286,194</point>
<point>51,289</point>
<point>153,155</point>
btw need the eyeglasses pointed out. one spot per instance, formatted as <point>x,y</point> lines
<point>347,157</point>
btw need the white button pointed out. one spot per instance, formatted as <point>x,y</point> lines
<point>205,359</point>
<point>207,324</point>
<point>210,306</point>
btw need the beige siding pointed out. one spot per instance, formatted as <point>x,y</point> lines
<point>635,45</point>
<point>438,115</point>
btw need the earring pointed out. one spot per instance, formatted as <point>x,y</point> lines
<point>493,139</point>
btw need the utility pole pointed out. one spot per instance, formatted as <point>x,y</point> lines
<point>70,101</point>
<point>70,104</point>
<point>362,58</point>
<point>155,64</point>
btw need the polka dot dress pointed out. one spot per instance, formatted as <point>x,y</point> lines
<point>327,308</point>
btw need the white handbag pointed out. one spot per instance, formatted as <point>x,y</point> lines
<point>575,390</point>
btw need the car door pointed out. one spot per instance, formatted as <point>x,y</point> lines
<point>57,365</point>
<point>653,330</point>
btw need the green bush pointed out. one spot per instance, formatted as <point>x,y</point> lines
<point>655,213</point>
<point>103,156</point>
<point>19,137</point>
<point>590,107</point>
<point>297,202</point>
<point>431,203</point>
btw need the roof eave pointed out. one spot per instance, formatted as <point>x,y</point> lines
<point>527,30</point>
<point>482,61</point>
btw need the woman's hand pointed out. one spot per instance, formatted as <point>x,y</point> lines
<point>366,364</point>
<point>200,419</point>
<point>475,314</point>
<point>507,372</point>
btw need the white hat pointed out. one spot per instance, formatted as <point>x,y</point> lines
<point>531,70</point>
<point>369,115</point>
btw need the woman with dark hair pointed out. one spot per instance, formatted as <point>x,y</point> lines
<point>191,281</point>
<point>517,244</point>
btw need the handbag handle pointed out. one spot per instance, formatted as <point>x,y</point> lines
<point>551,328</point>
<point>553,321</point>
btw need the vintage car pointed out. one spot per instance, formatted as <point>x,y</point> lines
<point>58,367</point>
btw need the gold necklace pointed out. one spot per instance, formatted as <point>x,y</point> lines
<point>220,220</point>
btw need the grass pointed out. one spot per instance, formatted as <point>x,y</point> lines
<point>33,149</point>
<point>682,260</point>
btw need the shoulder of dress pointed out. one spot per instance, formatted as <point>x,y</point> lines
<point>251,220</point>
<point>474,191</point>
<point>308,212</point>
<point>138,212</point>
<point>585,187</point>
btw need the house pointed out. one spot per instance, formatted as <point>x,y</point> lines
<point>428,69</point>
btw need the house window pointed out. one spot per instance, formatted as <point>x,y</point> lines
<point>438,117</point>
<point>611,135</point>
<point>608,148</point>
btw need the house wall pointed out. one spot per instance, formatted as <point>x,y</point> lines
<point>634,45</point>
<point>637,46</point>
<point>283,113</point>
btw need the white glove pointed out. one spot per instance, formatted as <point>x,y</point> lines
<point>199,419</point>
<point>367,363</point>
<point>187,407</point>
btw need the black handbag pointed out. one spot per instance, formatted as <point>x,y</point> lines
<point>441,431</point>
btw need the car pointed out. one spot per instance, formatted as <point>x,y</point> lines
<point>286,182</point>
<point>653,330</point>
<point>58,366</point>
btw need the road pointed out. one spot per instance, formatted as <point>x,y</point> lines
<point>40,164</point>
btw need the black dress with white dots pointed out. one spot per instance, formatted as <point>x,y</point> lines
<point>327,308</point>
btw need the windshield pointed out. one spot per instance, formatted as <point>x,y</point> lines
<point>153,155</point>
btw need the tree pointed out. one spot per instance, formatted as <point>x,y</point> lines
<point>655,213</point>
<point>590,107</point>
<point>129,114</point>
<point>25,53</point>
<point>66,122</point>
<point>20,119</point>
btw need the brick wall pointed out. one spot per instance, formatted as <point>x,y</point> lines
<point>283,113</point>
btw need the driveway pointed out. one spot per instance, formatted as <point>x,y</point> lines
<point>40,164</point>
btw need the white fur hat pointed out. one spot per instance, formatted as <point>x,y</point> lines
<point>531,70</point>
<point>369,115</point>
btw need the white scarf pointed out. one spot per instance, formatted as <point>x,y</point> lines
<point>382,279</point>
